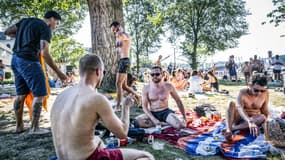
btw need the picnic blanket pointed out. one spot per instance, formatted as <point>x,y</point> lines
<point>30,97</point>
<point>208,139</point>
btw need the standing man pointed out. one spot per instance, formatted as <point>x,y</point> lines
<point>250,110</point>
<point>155,103</point>
<point>123,43</point>
<point>76,112</point>
<point>33,36</point>
<point>2,73</point>
<point>277,65</point>
<point>231,65</point>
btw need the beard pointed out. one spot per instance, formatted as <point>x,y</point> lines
<point>156,80</point>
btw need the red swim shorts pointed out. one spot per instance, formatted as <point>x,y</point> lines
<point>106,154</point>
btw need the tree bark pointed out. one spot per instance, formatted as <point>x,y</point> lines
<point>102,14</point>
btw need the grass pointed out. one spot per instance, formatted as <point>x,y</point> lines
<point>26,147</point>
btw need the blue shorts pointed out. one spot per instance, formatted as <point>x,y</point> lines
<point>1,73</point>
<point>29,76</point>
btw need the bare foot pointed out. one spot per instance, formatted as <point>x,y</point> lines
<point>228,135</point>
<point>39,131</point>
<point>20,129</point>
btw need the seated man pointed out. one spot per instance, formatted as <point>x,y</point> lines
<point>155,103</point>
<point>251,109</point>
<point>77,110</point>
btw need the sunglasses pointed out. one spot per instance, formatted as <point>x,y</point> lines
<point>155,74</point>
<point>258,90</point>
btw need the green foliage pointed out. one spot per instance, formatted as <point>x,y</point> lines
<point>144,22</point>
<point>206,25</point>
<point>72,12</point>
<point>277,16</point>
<point>8,75</point>
<point>64,49</point>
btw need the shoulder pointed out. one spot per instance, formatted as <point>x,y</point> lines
<point>168,85</point>
<point>146,88</point>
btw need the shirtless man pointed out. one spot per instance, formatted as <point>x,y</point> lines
<point>251,109</point>
<point>123,43</point>
<point>246,71</point>
<point>77,110</point>
<point>155,103</point>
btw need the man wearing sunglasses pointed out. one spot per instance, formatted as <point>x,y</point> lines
<point>155,103</point>
<point>251,109</point>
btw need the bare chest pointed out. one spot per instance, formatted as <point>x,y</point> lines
<point>158,94</point>
<point>253,102</point>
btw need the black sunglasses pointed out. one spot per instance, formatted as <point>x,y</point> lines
<point>155,74</point>
<point>258,90</point>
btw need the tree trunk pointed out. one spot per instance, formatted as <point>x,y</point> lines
<point>102,14</point>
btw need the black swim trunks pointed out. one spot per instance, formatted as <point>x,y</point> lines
<point>124,65</point>
<point>162,115</point>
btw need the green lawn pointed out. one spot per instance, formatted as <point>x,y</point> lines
<point>24,146</point>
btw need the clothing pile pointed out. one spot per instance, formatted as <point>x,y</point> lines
<point>201,110</point>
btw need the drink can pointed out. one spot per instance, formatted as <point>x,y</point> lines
<point>123,142</point>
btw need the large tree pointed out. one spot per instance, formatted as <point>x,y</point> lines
<point>102,13</point>
<point>277,16</point>
<point>66,50</point>
<point>144,23</point>
<point>206,25</point>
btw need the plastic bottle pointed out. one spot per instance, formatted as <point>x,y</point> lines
<point>113,142</point>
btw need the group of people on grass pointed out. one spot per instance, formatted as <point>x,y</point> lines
<point>78,109</point>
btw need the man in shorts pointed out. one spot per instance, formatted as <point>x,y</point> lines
<point>33,36</point>
<point>250,110</point>
<point>155,98</point>
<point>76,112</point>
<point>123,43</point>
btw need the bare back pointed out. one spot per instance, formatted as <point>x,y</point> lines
<point>74,116</point>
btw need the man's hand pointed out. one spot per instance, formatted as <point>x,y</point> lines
<point>156,122</point>
<point>61,76</point>
<point>253,129</point>
<point>113,69</point>
<point>128,101</point>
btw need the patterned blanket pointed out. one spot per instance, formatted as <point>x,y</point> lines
<point>207,139</point>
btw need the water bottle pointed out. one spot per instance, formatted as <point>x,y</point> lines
<point>113,142</point>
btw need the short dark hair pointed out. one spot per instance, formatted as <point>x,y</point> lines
<point>53,14</point>
<point>259,80</point>
<point>89,63</point>
<point>115,24</point>
<point>157,67</point>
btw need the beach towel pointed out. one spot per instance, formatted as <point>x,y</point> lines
<point>30,97</point>
<point>205,138</point>
<point>243,146</point>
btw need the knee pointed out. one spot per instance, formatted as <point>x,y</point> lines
<point>38,99</point>
<point>232,105</point>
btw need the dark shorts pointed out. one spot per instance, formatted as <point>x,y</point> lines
<point>162,115</point>
<point>106,154</point>
<point>276,71</point>
<point>246,74</point>
<point>124,65</point>
<point>232,72</point>
<point>29,76</point>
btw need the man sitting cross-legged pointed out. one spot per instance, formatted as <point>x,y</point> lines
<point>251,109</point>
<point>155,103</point>
<point>77,110</point>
